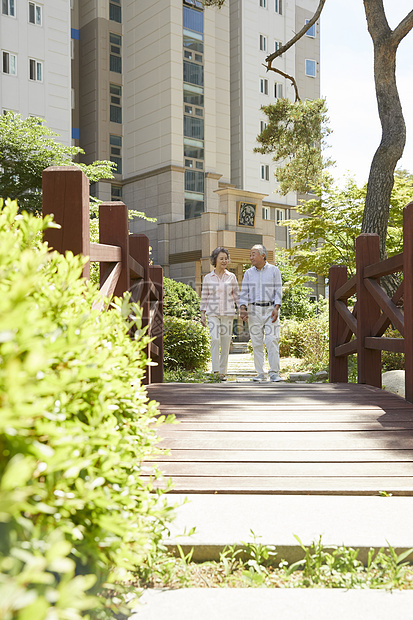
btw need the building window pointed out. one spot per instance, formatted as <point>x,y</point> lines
<point>310,68</point>
<point>263,43</point>
<point>278,6</point>
<point>116,152</point>
<point>278,90</point>
<point>115,103</point>
<point>193,41</point>
<point>277,45</point>
<point>311,31</point>
<point>194,206</point>
<point>266,213</point>
<point>263,4</point>
<point>9,63</point>
<point>8,7</point>
<point>263,125</point>
<point>193,95</point>
<point>193,19</point>
<point>116,192</point>
<point>279,216</point>
<point>35,70</point>
<point>194,181</point>
<point>265,172</point>
<point>115,53</point>
<point>115,11</point>
<point>35,14</point>
<point>193,73</point>
<point>193,127</point>
<point>264,86</point>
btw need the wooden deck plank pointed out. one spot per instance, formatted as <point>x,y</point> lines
<point>287,470</point>
<point>289,443</point>
<point>322,485</point>
<point>252,426</point>
<point>288,456</point>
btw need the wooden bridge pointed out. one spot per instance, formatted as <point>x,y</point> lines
<point>335,438</point>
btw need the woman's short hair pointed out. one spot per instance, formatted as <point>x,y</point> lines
<point>214,255</point>
<point>261,249</point>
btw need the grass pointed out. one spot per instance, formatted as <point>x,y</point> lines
<point>251,564</point>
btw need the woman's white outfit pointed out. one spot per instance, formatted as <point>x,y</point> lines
<point>218,299</point>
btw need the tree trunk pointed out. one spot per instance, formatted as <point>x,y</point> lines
<point>390,150</point>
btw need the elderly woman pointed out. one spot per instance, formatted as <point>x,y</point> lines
<point>219,297</point>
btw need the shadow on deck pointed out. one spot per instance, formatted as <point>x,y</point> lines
<point>342,439</point>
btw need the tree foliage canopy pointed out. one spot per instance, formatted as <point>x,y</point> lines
<point>327,234</point>
<point>295,135</point>
<point>27,147</point>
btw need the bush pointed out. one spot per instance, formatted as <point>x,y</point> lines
<point>307,340</point>
<point>389,360</point>
<point>180,300</point>
<point>186,344</point>
<point>75,427</point>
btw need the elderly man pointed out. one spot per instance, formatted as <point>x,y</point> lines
<point>260,302</point>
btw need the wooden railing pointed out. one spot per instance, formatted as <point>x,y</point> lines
<point>123,258</point>
<point>361,331</point>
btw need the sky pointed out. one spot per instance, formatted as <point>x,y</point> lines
<point>348,86</point>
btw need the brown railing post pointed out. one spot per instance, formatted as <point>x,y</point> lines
<point>368,312</point>
<point>408,299</point>
<point>338,366</point>
<point>66,195</point>
<point>139,250</point>
<point>113,230</point>
<point>156,275</point>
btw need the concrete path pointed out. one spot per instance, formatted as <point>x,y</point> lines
<point>355,521</point>
<point>274,604</point>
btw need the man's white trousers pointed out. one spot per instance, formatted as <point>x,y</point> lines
<point>263,331</point>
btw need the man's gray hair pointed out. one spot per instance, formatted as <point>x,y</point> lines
<point>261,249</point>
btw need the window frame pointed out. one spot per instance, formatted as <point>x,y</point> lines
<point>113,54</point>
<point>9,12</point>
<point>312,29</point>
<point>278,7</point>
<point>113,105</point>
<point>278,90</point>
<point>263,43</point>
<point>264,86</point>
<point>311,60</point>
<point>265,172</point>
<point>37,64</point>
<point>115,4</point>
<point>5,53</point>
<point>263,4</point>
<point>36,8</point>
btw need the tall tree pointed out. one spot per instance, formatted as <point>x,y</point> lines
<point>385,43</point>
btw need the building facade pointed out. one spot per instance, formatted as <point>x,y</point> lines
<point>172,93</point>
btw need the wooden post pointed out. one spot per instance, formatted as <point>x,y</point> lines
<point>338,366</point>
<point>408,299</point>
<point>113,230</point>
<point>66,195</point>
<point>156,275</point>
<point>139,250</point>
<point>368,312</point>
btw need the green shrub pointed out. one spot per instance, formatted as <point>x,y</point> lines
<point>75,427</point>
<point>307,340</point>
<point>390,360</point>
<point>180,300</point>
<point>186,344</point>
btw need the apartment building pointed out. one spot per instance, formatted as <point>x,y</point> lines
<point>171,92</point>
<point>35,48</point>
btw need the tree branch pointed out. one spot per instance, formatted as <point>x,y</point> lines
<point>298,36</point>
<point>289,77</point>
<point>404,27</point>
